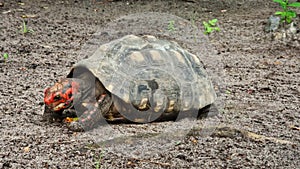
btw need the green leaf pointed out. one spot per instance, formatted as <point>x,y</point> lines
<point>227,91</point>
<point>171,25</point>
<point>208,29</point>
<point>24,27</point>
<point>288,19</point>
<point>5,56</point>
<point>282,3</point>
<point>294,4</point>
<point>279,13</point>
<point>210,26</point>
<point>213,22</point>
<point>205,24</point>
<point>291,13</point>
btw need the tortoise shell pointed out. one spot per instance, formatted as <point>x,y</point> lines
<point>150,78</point>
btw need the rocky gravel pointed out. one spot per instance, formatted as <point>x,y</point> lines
<point>257,76</point>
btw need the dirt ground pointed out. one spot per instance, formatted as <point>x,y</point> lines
<point>258,126</point>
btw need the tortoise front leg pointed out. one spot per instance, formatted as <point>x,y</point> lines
<point>51,116</point>
<point>93,115</point>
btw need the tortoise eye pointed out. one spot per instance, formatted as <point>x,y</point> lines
<point>57,97</point>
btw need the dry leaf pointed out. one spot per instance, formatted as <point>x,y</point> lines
<point>277,63</point>
<point>29,16</point>
<point>26,149</point>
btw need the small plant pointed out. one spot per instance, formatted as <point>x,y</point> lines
<point>171,26</point>
<point>98,162</point>
<point>25,29</point>
<point>5,56</point>
<point>286,15</point>
<point>210,26</point>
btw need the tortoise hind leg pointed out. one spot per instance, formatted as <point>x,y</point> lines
<point>93,115</point>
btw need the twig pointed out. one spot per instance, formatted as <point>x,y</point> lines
<point>226,131</point>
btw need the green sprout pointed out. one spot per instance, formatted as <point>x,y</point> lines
<point>25,29</point>
<point>5,56</point>
<point>286,15</point>
<point>98,162</point>
<point>210,26</point>
<point>171,26</point>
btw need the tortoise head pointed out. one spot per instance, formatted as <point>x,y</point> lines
<point>61,95</point>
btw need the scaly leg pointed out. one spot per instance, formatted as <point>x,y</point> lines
<point>93,116</point>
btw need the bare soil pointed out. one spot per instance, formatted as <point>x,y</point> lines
<point>259,126</point>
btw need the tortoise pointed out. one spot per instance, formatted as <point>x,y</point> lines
<point>135,79</point>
